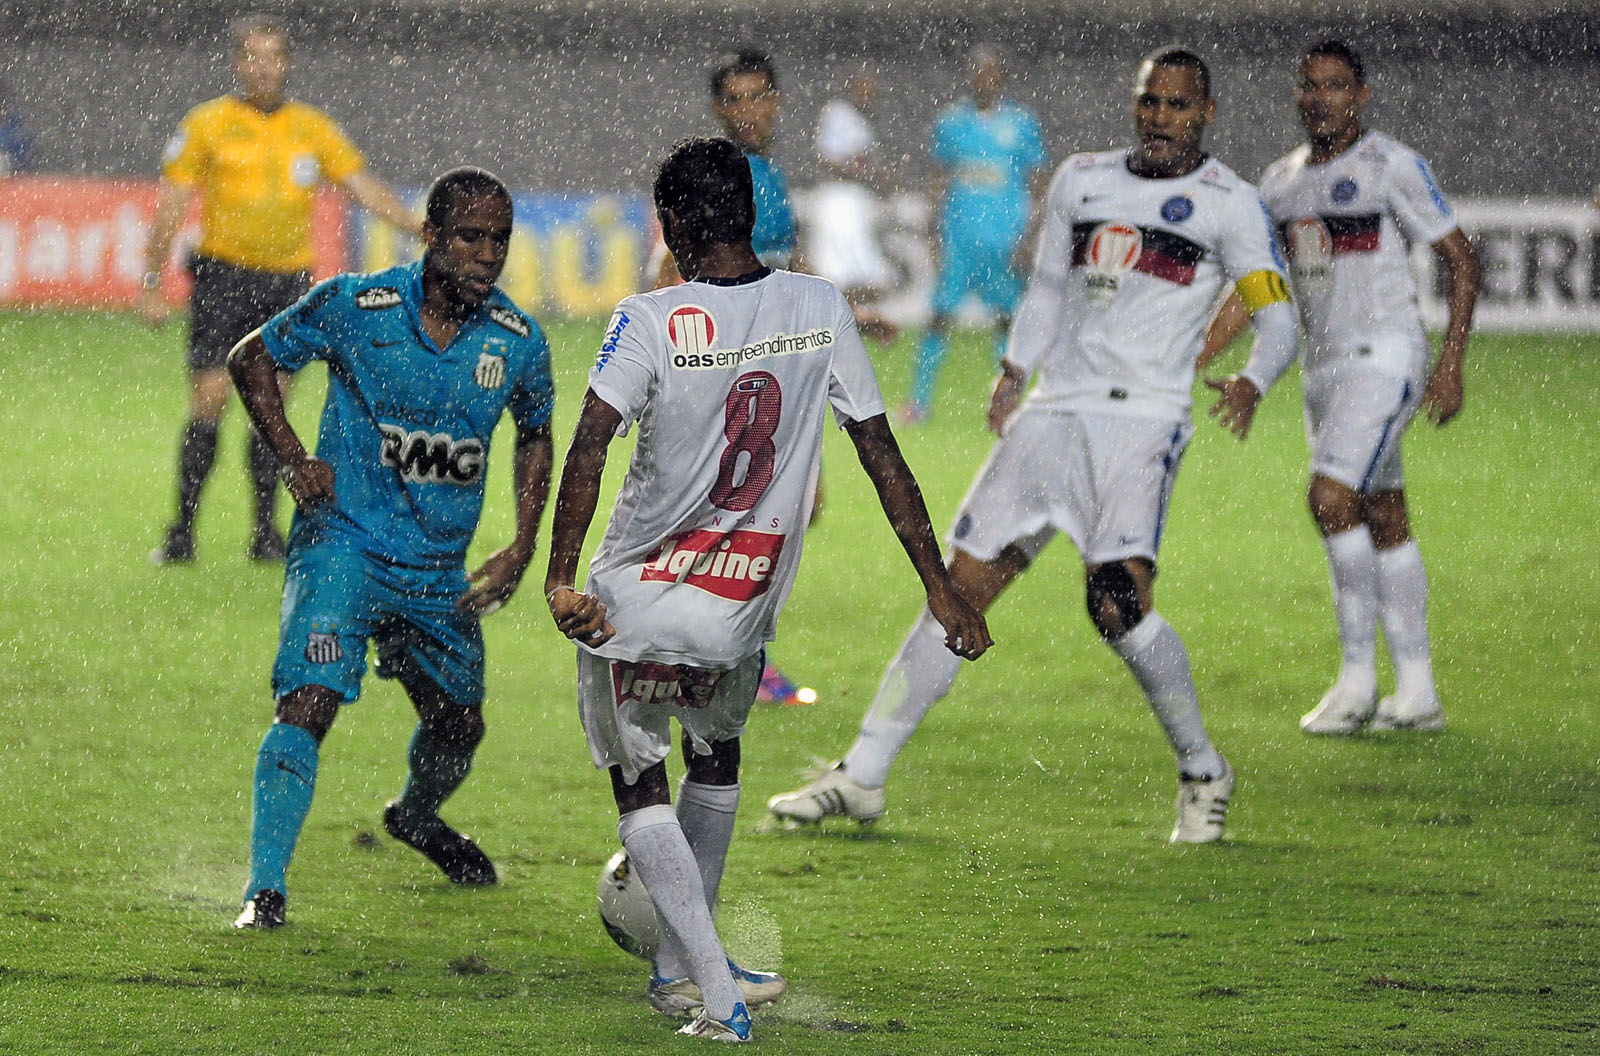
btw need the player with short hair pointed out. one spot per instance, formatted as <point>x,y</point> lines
<point>423,360</point>
<point>989,169</point>
<point>729,377</point>
<point>1134,248</point>
<point>255,159</point>
<point>1349,203</point>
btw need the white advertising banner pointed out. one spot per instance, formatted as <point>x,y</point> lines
<point>1540,259</point>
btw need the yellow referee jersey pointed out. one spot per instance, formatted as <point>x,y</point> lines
<point>257,175</point>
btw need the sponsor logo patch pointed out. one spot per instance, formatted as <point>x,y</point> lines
<point>776,345</point>
<point>490,373</point>
<point>1311,250</point>
<point>511,321</point>
<point>431,458</point>
<point>375,297</point>
<point>690,330</point>
<point>672,685</point>
<point>736,565</point>
<point>608,344</point>
<point>1113,250</point>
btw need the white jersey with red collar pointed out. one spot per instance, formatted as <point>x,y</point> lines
<point>1347,227</point>
<point>729,385</point>
<point>1132,269</point>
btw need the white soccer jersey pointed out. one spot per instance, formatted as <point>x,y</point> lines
<point>729,385</point>
<point>1347,227</point>
<point>843,132</point>
<point>1128,271</point>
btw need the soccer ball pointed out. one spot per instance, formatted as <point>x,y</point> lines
<point>626,910</point>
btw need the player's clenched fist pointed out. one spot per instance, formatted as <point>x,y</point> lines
<point>580,617</point>
<point>310,482</point>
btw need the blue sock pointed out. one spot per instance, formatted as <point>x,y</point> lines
<point>436,772</point>
<point>286,773</point>
<point>930,357</point>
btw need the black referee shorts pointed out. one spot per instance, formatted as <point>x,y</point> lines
<point>229,301</point>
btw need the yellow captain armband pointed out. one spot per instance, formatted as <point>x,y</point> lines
<point>1261,288</point>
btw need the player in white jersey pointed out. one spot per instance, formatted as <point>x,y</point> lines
<point>729,377</point>
<point>843,241</point>
<point>1134,249</point>
<point>1349,204</point>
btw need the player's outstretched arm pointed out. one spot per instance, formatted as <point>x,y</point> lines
<point>309,479</point>
<point>966,634</point>
<point>377,198</point>
<point>1446,391</point>
<point>497,579</point>
<point>579,616</point>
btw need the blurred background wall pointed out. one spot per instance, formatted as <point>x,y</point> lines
<point>585,95</point>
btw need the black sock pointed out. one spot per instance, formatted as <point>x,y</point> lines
<point>196,452</point>
<point>264,475</point>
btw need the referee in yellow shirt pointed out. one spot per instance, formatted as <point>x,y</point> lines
<point>256,160</point>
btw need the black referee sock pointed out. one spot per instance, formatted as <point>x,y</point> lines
<point>264,475</point>
<point>196,453</point>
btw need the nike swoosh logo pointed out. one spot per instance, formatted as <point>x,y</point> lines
<point>384,344</point>
<point>286,768</point>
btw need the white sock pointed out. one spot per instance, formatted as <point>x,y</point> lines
<point>1353,567</point>
<point>657,848</point>
<point>1159,662</point>
<point>919,675</point>
<point>1403,608</point>
<point>706,813</point>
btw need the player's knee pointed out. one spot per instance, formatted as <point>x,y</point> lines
<point>460,728</point>
<point>1334,506</point>
<point>312,708</point>
<point>720,767</point>
<point>1113,599</point>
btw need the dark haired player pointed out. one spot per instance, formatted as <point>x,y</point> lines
<point>1349,204</point>
<point>423,359</point>
<point>1134,248</point>
<point>729,377</point>
<point>255,159</point>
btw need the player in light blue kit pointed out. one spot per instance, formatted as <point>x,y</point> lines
<point>422,360</point>
<point>989,160</point>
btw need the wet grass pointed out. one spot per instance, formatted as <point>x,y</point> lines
<point>1381,894</point>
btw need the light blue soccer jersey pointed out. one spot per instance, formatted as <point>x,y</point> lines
<point>774,235</point>
<point>406,425</point>
<point>989,157</point>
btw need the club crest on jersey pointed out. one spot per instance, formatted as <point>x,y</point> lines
<point>735,565</point>
<point>431,458</point>
<point>1310,253</point>
<point>691,330</point>
<point>1177,209</point>
<point>1344,191</point>
<point>511,321</point>
<point>376,297</point>
<point>490,373</point>
<point>678,685</point>
<point>322,647</point>
<point>1113,250</point>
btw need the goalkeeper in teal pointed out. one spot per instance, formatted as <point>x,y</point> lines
<point>989,169</point>
<point>422,361</point>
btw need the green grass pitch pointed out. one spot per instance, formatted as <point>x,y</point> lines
<point>1395,893</point>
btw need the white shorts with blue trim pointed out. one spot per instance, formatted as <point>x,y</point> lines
<point>1105,480</point>
<point>1356,414</point>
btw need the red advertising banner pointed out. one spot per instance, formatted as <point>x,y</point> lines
<point>79,242</point>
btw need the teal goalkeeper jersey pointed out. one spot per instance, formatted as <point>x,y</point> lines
<point>406,426</point>
<point>989,156</point>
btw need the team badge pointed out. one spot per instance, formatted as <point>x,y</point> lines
<point>322,647</point>
<point>691,329</point>
<point>1311,253</point>
<point>1177,209</point>
<point>1114,248</point>
<point>490,372</point>
<point>304,171</point>
<point>1344,191</point>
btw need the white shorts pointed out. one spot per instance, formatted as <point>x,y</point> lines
<point>1355,416</point>
<point>843,246</point>
<point>1103,479</point>
<point>626,707</point>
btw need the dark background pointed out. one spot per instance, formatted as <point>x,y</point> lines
<point>586,95</point>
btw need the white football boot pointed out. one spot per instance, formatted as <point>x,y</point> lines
<point>1203,808</point>
<point>680,998</point>
<point>1341,711</point>
<point>831,794</point>
<point>1408,713</point>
